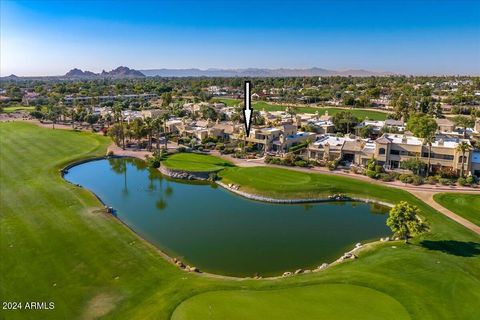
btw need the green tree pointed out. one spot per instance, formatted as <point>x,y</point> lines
<point>425,127</point>
<point>148,126</point>
<point>464,122</point>
<point>166,99</point>
<point>344,121</point>
<point>53,114</point>
<point>91,119</point>
<point>118,117</point>
<point>403,106</point>
<point>405,221</point>
<point>366,131</point>
<point>208,112</point>
<point>116,132</point>
<point>413,164</point>
<point>164,118</point>
<point>156,128</point>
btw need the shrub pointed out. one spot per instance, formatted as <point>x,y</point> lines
<point>432,180</point>
<point>406,178</point>
<point>228,151</point>
<point>448,173</point>
<point>37,114</point>
<point>332,165</point>
<point>355,170</point>
<point>276,161</point>
<point>371,174</point>
<point>383,177</point>
<point>239,154</point>
<point>110,153</point>
<point>394,175</point>
<point>444,181</point>
<point>470,180</point>
<point>212,176</point>
<point>153,162</point>
<point>462,181</point>
<point>301,163</point>
<point>417,180</point>
<point>322,163</point>
<point>371,164</point>
<point>378,169</point>
<point>289,160</point>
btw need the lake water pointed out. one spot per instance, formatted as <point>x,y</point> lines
<point>219,232</point>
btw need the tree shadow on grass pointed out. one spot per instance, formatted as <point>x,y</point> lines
<point>458,248</point>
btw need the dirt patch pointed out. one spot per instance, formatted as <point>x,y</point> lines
<point>100,305</point>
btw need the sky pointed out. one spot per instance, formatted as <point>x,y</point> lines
<point>409,37</point>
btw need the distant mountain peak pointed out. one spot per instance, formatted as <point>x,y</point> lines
<point>120,72</point>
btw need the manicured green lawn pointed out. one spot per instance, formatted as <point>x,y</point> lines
<point>229,102</point>
<point>17,108</point>
<point>465,205</point>
<point>56,244</point>
<point>360,113</point>
<point>331,301</point>
<point>195,162</point>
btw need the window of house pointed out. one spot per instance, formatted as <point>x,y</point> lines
<point>396,152</point>
<point>381,151</point>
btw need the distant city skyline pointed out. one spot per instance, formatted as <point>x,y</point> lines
<point>40,38</point>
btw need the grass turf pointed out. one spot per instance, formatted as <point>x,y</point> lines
<point>360,113</point>
<point>465,205</point>
<point>57,245</point>
<point>195,162</point>
<point>18,108</point>
<point>331,301</point>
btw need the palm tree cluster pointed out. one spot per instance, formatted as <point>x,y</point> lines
<point>149,128</point>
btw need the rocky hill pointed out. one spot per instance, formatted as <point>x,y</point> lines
<point>120,72</point>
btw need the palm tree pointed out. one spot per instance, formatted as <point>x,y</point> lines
<point>307,146</point>
<point>463,147</point>
<point>73,114</point>
<point>291,111</point>
<point>243,136</point>
<point>165,118</point>
<point>156,126</point>
<point>117,111</point>
<point>429,140</point>
<point>148,125</point>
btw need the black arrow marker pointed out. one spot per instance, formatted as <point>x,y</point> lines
<point>247,109</point>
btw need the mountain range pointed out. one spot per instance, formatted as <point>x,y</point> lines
<point>120,72</point>
<point>259,72</point>
<point>125,72</point>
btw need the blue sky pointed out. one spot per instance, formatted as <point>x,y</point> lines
<point>412,37</point>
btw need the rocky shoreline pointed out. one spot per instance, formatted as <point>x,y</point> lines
<point>185,175</point>
<point>235,189</point>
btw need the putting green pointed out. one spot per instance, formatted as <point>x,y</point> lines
<point>195,162</point>
<point>329,301</point>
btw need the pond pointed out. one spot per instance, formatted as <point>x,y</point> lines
<point>207,226</point>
